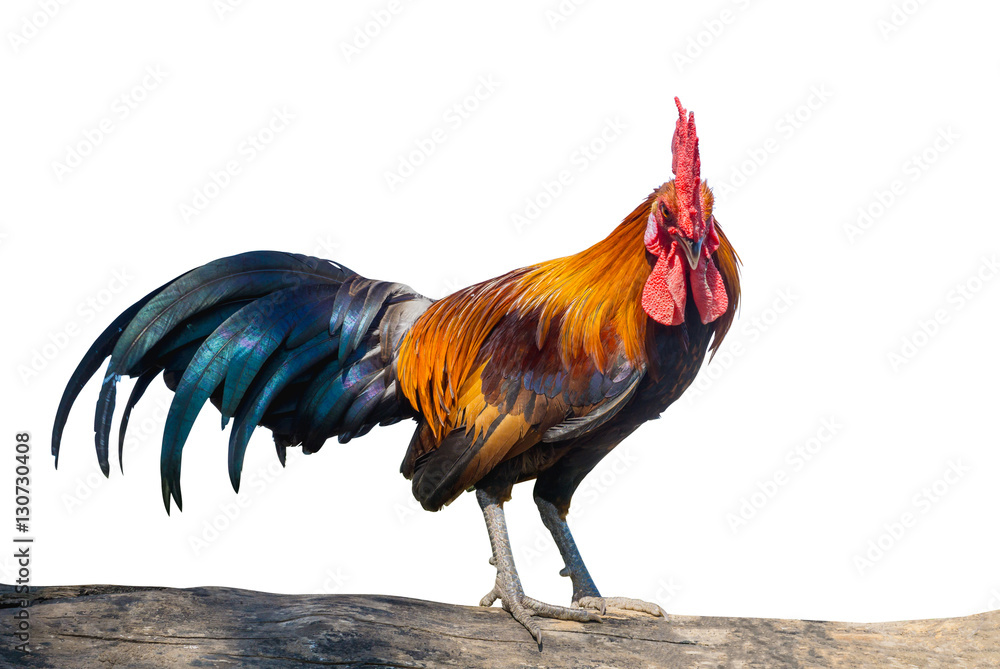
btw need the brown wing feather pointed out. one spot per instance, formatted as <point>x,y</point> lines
<point>516,393</point>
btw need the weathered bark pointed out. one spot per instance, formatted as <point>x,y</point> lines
<point>117,626</point>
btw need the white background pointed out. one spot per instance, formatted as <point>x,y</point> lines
<point>808,114</point>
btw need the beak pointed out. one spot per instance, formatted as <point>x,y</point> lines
<point>692,251</point>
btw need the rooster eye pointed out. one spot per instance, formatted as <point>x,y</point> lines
<point>666,215</point>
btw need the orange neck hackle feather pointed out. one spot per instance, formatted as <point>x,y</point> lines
<point>586,300</point>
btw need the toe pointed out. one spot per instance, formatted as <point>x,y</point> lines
<point>596,603</point>
<point>560,612</point>
<point>629,604</point>
<point>489,598</point>
<point>522,615</point>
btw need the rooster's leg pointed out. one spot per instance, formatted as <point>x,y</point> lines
<point>508,584</point>
<point>585,593</point>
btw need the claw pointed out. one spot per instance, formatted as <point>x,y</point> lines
<point>523,616</point>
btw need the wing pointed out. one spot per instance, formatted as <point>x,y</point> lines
<point>518,395</point>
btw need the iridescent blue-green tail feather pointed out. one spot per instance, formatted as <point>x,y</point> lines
<point>300,345</point>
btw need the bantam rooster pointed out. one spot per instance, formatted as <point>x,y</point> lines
<point>536,374</point>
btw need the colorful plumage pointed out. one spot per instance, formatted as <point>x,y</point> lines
<point>536,374</point>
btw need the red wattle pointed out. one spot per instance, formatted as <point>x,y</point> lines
<point>709,291</point>
<point>665,292</point>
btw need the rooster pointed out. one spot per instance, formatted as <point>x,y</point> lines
<point>536,374</point>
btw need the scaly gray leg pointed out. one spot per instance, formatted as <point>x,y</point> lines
<point>508,585</point>
<point>585,593</point>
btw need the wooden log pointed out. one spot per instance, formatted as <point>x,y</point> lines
<point>119,626</point>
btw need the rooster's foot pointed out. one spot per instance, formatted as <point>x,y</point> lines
<point>507,587</point>
<point>526,610</point>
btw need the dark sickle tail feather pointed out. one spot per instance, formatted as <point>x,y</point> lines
<point>297,344</point>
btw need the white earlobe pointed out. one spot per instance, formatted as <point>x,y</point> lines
<point>652,229</point>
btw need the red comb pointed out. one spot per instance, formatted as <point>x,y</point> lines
<point>687,172</point>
